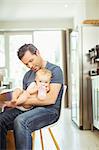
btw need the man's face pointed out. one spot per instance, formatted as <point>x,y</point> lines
<point>32,61</point>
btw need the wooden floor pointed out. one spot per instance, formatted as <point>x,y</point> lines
<point>68,136</point>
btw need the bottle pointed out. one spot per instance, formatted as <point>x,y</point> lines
<point>42,92</point>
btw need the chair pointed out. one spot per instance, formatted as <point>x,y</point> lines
<point>10,139</point>
<point>49,126</point>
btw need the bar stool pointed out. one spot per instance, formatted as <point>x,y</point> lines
<point>10,138</point>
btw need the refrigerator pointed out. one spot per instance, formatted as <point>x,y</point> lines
<point>82,40</point>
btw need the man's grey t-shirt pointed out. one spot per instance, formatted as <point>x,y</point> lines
<point>57,77</point>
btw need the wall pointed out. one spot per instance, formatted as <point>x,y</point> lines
<point>37,24</point>
<point>87,9</point>
<point>92,9</point>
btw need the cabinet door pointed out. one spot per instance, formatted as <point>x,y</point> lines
<point>95,101</point>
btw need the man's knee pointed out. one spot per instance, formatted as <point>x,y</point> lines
<point>18,122</point>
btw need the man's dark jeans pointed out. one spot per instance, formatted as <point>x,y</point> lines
<point>24,123</point>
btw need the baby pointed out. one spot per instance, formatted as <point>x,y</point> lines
<point>39,89</point>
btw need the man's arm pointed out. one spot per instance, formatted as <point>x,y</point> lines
<point>51,96</point>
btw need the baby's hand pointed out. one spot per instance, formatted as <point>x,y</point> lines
<point>9,104</point>
<point>13,101</point>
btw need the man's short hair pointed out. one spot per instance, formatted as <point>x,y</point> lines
<point>24,48</point>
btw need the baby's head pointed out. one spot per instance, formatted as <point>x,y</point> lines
<point>43,77</point>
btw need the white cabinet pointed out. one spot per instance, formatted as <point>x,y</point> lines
<point>95,100</point>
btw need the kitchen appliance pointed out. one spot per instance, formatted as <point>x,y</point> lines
<point>81,41</point>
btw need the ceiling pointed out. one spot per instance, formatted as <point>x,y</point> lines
<point>13,10</point>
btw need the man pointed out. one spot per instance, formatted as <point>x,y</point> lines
<point>43,112</point>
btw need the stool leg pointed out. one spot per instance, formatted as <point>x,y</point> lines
<point>41,137</point>
<point>33,141</point>
<point>54,140</point>
<point>10,140</point>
